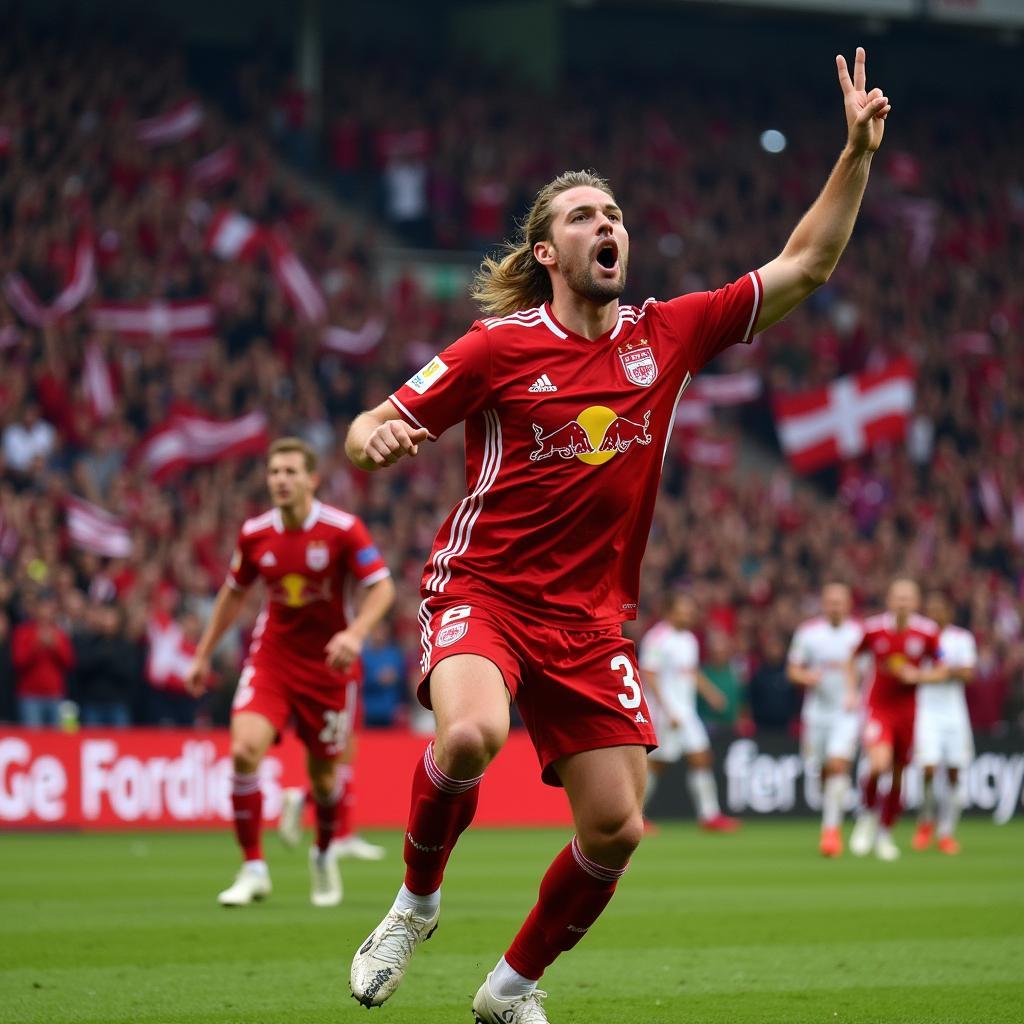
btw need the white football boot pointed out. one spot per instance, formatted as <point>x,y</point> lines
<point>251,883</point>
<point>864,833</point>
<point>885,848</point>
<point>489,1009</point>
<point>289,825</point>
<point>357,848</point>
<point>324,879</point>
<point>381,961</point>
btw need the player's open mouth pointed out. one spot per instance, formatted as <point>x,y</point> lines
<point>608,255</point>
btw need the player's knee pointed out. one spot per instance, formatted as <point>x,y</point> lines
<point>245,754</point>
<point>612,838</point>
<point>465,748</point>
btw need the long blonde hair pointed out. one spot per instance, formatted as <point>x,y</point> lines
<point>514,280</point>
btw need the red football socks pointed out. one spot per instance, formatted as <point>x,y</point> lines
<point>346,801</point>
<point>870,792</point>
<point>326,819</point>
<point>247,801</point>
<point>891,806</point>
<point>572,895</point>
<point>442,808</point>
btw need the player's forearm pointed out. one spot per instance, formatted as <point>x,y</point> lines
<point>225,611</point>
<point>376,604</point>
<point>358,434</point>
<point>800,676</point>
<point>934,674</point>
<point>707,689</point>
<point>819,239</point>
<point>650,684</point>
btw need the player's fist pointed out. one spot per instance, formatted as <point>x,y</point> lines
<point>197,676</point>
<point>909,674</point>
<point>391,440</point>
<point>342,649</point>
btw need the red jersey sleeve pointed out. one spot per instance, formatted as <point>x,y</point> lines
<point>363,559</point>
<point>452,386</point>
<point>709,322</point>
<point>243,570</point>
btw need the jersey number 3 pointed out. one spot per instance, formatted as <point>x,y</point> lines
<point>632,697</point>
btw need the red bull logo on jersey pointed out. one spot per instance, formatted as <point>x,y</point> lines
<point>595,436</point>
<point>638,361</point>
<point>296,591</point>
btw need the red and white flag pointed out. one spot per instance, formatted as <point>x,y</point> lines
<point>184,441</point>
<point>169,655</point>
<point>849,417</point>
<point>233,236</point>
<point>303,292</point>
<point>94,529</point>
<point>711,452</point>
<point>98,382</point>
<point>215,168</point>
<point>355,343</point>
<point>692,412</point>
<point>180,122</point>
<point>187,323</point>
<point>726,388</point>
<point>79,285</point>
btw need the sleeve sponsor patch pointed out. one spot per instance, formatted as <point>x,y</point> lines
<point>428,376</point>
<point>367,556</point>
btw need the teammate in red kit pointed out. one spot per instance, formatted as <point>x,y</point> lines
<point>900,641</point>
<point>568,400</point>
<point>303,661</point>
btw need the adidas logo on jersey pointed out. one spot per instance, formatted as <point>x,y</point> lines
<point>640,718</point>
<point>542,383</point>
<point>268,560</point>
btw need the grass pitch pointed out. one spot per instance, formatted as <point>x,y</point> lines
<point>112,929</point>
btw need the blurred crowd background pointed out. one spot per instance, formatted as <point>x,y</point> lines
<point>408,161</point>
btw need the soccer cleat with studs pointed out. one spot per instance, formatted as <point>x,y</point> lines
<point>490,1009</point>
<point>380,963</point>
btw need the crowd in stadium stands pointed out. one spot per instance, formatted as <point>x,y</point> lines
<point>934,271</point>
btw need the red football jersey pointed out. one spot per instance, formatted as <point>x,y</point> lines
<point>565,440</point>
<point>308,573</point>
<point>893,648</point>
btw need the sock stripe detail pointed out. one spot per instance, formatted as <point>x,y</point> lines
<point>245,784</point>
<point>592,868</point>
<point>446,784</point>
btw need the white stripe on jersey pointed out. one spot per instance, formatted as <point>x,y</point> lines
<point>672,417</point>
<point>757,302</point>
<point>335,517</point>
<point>470,507</point>
<point>257,523</point>
<point>551,325</point>
<point>424,616</point>
<point>405,412</point>
<point>524,318</point>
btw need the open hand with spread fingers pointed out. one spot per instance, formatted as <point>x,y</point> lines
<point>865,111</point>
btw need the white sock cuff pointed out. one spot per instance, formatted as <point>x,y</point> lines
<point>592,868</point>
<point>245,783</point>
<point>445,783</point>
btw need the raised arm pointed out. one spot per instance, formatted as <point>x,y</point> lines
<point>814,248</point>
<point>225,610</point>
<point>380,437</point>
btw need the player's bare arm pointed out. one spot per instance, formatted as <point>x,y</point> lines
<point>916,676</point>
<point>801,675</point>
<point>852,685</point>
<point>225,610</point>
<point>347,644</point>
<point>380,437</point>
<point>712,694</point>
<point>814,248</point>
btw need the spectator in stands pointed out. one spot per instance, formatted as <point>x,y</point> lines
<point>8,710</point>
<point>29,441</point>
<point>719,668</point>
<point>774,703</point>
<point>43,658</point>
<point>108,669</point>
<point>384,679</point>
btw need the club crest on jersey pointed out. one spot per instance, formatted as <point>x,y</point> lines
<point>914,646</point>
<point>317,555</point>
<point>448,635</point>
<point>638,361</point>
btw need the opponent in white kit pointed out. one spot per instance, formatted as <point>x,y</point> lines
<point>942,733</point>
<point>670,663</point>
<point>819,657</point>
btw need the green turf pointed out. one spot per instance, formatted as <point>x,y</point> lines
<point>747,928</point>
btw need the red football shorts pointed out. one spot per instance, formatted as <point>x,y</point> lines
<point>323,703</point>
<point>575,689</point>
<point>893,726</point>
